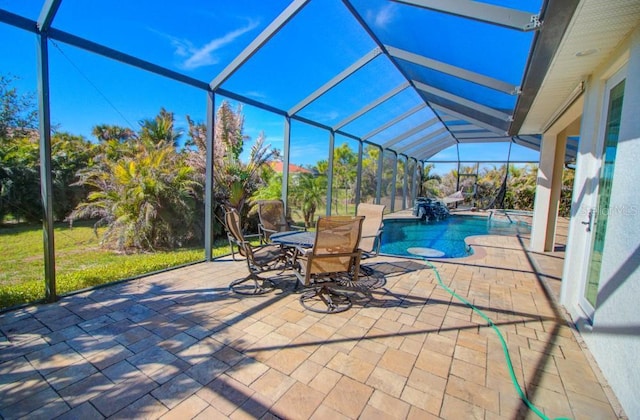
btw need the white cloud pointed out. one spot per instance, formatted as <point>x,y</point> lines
<point>384,16</point>
<point>331,115</point>
<point>255,94</point>
<point>196,57</point>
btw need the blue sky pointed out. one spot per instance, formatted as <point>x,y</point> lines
<point>87,89</point>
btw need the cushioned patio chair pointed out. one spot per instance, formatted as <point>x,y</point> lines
<point>333,258</point>
<point>273,219</point>
<point>259,259</point>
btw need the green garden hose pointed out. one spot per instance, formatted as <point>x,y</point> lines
<point>502,341</point>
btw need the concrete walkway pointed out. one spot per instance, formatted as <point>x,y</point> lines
<point>180,345</point>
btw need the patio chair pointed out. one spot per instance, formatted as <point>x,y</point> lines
<point>233,243</point>
<point>273,219</point>
<point>259,259</point>
<point>372,225</point>
<point>333,257</point>
<point>371,238</point>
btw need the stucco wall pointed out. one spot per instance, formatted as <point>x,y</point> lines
<point>614,336</point>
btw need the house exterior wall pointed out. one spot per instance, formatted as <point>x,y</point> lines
<point>612,332</point>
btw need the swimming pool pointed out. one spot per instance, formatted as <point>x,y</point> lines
<point>441,239</point>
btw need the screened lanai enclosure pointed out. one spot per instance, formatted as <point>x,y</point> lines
<point>346,101</point>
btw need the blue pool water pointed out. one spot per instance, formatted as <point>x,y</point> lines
<point>441,239</point>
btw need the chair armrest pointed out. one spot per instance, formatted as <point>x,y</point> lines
<point>302,251</point>
<point>338,254</point>
<point>264,229</point>
<point>236,241</point>
<point>231,238</point>
<point>377,243</point>
<point>264,233</point>
<point>253,235</point>
<point>377,235</point>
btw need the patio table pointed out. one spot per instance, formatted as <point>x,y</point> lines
<point>306,239</point>
<point>294,239</point>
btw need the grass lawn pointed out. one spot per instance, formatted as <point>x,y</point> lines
<point>80,263</point>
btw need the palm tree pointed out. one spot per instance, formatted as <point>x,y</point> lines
<point>142,189</point>
<point>239,180</point>
<point>106,132</point>
<point>159,131</point>
<point>491,187</point>
<point>521,188</point>
<point>144,200</point>
<point>235,182</point>
<point>431,182</point>
<point>344,171</point>
<point>272,190</point>
<point>309,194</point>
<point>369,175</point>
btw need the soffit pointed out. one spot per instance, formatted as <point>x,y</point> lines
<point>596,24</point>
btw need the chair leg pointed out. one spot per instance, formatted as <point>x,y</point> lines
<point>324,300</point>
<point>365,271</point>
<point>364,282</point>
<point>233,253</point>
<point>260,285</point>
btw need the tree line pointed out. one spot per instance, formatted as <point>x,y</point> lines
<point>145,190</point>
<point>148,193</point>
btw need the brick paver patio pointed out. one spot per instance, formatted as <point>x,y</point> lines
<point>180,345</point>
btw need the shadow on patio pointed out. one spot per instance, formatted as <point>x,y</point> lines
<point>180,345</point>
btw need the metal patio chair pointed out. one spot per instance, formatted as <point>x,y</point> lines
<point>371,238</point>
<point>334,258</point>
<point>259,259</point>
<point>273,219</point>
<point>372,226</point>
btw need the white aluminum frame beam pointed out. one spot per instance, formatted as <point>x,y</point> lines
<point>209,174</point>
<point>455,71</point>
<point>430,154</point>
<point>486,134</point>
<point>438,141</point>
<point>464,128</point>
<point>99,49</point>
<point>372,105</point>
<point>439,144</point>
<point>436,134</point>
<point>48,12</point>
<point>394,121</point>
<point>335,80</point>
<point>411,132</point>
<point>492,112</point>
<point>528,141</point>
<point>268,33</point>
<point>430,150</point>
<point>504,139</point>
<point>447,118</point>
<point>461,116</point>
<point>483,12</point>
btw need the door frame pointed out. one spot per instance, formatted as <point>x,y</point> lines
<point>593,200</point>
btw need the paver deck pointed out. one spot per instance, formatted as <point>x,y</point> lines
<point>180,345</point>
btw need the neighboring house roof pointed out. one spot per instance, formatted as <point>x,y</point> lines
<point>277,166</point>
